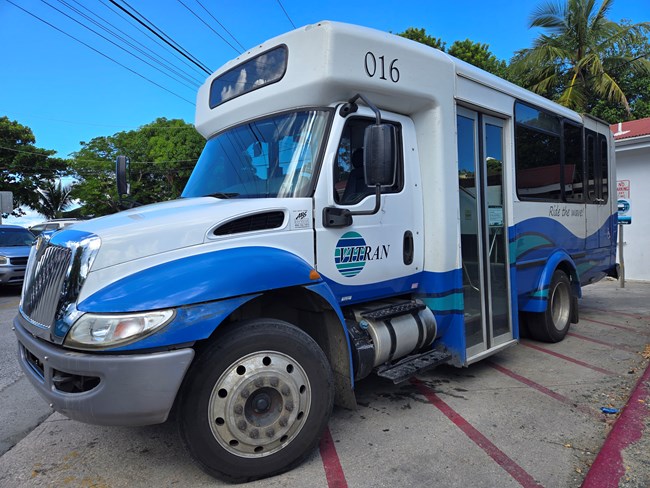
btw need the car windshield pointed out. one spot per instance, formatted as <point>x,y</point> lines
<point>267,158</point>
<point>15,237</point>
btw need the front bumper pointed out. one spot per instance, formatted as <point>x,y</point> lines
<point>12,275</point>
<point>125,389</point>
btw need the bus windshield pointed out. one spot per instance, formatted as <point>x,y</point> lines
<point>266,158</point>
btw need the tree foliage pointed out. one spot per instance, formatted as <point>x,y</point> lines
<point>24,168</point>
<point>54,199</point>
<point>577,60</point>
<point>420,35</point>
<point>469,51</point>
<point>162,156</point>
<point>478,55</point>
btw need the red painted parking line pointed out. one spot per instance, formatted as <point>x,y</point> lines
<point>618,312</point>
<point>333,470</point>
<point>616,326</point>
<point>608,469</point>
<point>543,389</point>
<point>513,469</point>
<point>568,358</point>
<point>620,347</point>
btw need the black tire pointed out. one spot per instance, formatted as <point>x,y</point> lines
<point>553,324</point>
<point>256,401</point>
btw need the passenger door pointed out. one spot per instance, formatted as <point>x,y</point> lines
<point>377,255</point>
<point>484,232</point>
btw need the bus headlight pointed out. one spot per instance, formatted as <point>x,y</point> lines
<point>93,331</point>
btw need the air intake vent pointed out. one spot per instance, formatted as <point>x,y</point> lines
<point>250,223</point>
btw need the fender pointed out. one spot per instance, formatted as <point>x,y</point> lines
<point>537,301</point>
<point>205,289</point>
<point>202,278</point>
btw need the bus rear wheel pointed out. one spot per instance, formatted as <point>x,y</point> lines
<point>256,401</point>
<point>553,324</point>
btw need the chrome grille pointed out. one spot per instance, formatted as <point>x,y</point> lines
<point>44,281</point>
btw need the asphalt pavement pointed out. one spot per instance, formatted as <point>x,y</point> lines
<point>529,416</point>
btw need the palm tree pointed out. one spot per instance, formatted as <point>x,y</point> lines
<point>576,62</point>
<point>54,198</point>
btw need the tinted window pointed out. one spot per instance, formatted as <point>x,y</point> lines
<point>537,150</point>
<point>604,180</point>
<point>255,73</point>
<point>15,237</point>
<point>349,180</point>
<point>573,163</point>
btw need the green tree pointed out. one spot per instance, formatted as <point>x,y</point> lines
<point>479,55</point>
<point>635,85</point>
<point>24,168</point>
<point>575,62</point>
<point>162,156</point>
<point>469,51</point>
<point>420,35</point>
<point>54,199</point>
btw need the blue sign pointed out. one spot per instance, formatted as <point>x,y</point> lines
<point>624,214</point>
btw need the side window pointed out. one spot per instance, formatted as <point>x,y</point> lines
<point>537,152</point>
<point>591,161</point>
<point>604,179</point>
<point>349,179</point>
<point>573,164</point>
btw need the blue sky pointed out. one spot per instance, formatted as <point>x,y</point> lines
<point>67,93</point>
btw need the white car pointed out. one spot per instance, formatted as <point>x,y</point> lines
<point>52,225</point>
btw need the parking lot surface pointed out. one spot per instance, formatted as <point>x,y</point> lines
<point>529,416</point>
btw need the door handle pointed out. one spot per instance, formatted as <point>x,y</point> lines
<point>408,249</point>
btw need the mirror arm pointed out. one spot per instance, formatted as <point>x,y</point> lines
<point>377,204</point>
<point>351,107</point>
<point>342,217</point>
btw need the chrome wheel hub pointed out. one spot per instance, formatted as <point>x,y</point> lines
<point>259,404</point>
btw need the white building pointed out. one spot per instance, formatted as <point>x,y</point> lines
<point>633,175</point>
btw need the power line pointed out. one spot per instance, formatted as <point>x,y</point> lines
<point>160,34</point>
<point>285,13</point>
<point>149,53</point>
<point>114,43</point>
<point>220,24</point>
<point>148,34</point>
<point>209,26</point>
<point>99,52</point>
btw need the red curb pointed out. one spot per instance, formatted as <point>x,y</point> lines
<point>333,470</point>
<point>607,469</point>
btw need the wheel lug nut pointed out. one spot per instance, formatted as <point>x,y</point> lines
<point>270,433</point>
<point>241,425</point>
<point>259,382</point>
<point>288,406</point>
<point>239,409</point>
<point>283,421</point>
<point>245,393</point>
<point>274,381</point>
<point>285,390</point>
<point>254,434</point>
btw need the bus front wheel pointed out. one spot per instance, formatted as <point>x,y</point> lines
<point>553,324</point>
<point>256,400</point>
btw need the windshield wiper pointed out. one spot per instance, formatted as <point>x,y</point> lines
<point>223,195</point>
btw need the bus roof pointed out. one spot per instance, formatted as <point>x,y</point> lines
<point>330,62</point>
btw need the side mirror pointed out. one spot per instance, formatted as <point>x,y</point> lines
<point>380,155</point>
<point>122,173</point>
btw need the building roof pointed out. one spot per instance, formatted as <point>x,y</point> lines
<point>634,128</point>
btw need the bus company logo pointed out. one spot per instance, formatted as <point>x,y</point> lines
<point>352,253</point>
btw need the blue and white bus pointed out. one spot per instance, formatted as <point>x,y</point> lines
<point>364,204</point>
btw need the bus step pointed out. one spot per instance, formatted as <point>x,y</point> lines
<point>411,365</point>
<point>394,310</point>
